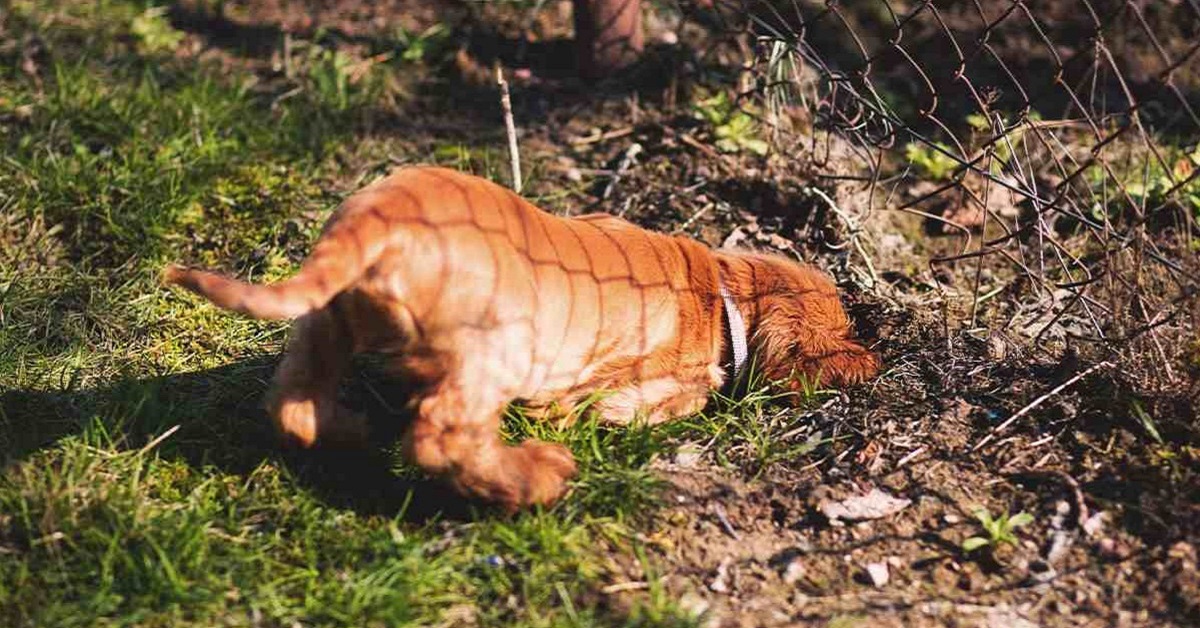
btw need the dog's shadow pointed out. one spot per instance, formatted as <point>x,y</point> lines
<point>216,421</point>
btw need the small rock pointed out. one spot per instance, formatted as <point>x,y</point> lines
<point>878,573</point>
<point>1061,510</point>
<point>1095,523</point>
<point>693,604</point>
<point>1112,549</point>
<point>1042,572</point>
<point>720,584</point>
<point>794,571</point>
<point>1060,546</point>
<point>574,174</point>
<point>688,455</point>
<point>952,519</point>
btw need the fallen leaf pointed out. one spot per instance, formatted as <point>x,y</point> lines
<point>734,239</point>
<point>876,504</point>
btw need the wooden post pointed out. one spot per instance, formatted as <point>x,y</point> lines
<point>608,35</point>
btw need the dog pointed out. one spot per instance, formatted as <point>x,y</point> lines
<point>479,299</point>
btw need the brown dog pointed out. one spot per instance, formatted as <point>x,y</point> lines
<point>481,299</point>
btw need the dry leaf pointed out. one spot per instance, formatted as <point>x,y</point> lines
<point>874,505</point>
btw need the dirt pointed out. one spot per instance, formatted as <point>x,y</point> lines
<point>1115,508</point>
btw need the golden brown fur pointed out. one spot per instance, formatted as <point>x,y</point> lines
<point>481,299</point>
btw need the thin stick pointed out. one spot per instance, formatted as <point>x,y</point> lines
<point>287,54</point>
<point>1037,402</point>
<point>506,104</point>
<point>909,458</point>
<point>1081,509</point>
<point>724,519</point>
<point>159,439</point>
<point>852,227</point>
<point>624,586</point>
<point>627,161</point>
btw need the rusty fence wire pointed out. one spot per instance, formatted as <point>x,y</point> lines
<point>1063,134</point>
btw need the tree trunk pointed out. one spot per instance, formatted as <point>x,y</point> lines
<point>608,35</point>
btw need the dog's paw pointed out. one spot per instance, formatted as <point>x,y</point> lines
<point>296,422</point>
<point>850,364</point>
<point>537,474</point>
<point>304,424</point>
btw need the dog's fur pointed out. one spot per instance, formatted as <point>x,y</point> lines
<point>480,299</point>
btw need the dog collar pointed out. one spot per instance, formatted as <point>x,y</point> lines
<point>736,326</point>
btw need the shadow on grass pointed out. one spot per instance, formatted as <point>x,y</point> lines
<point>221,425</point>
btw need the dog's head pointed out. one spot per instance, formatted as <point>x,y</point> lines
<point>799,332</point>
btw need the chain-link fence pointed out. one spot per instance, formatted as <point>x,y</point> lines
<point>1059,136</point>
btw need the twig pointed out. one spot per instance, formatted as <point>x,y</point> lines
<point>627,161</point>
<point>511,128</point>
<point>851,226</point>
<point>910,456</point>
<point>601,137</point>
<point>624,586</point>
<point>287,55</point>
<point>159,439</point>
<point>1037,402</point>
<point>695,216</point>
<point>687,138</point>
<point>724,519</point>
<point>1081,509</point>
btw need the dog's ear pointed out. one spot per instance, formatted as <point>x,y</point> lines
<point>803,336</point>
<point>806,356</point>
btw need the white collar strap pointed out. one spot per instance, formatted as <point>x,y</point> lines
<point>736,326</point>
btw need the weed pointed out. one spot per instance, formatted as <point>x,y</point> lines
<point>999,530</point>
<point>430,45</point>
<point>154,32</point>
<point>759,428</point>
<point>338,81</point>
<point>735,129</point>
<point>1146,421</point>
<point>931,162</point>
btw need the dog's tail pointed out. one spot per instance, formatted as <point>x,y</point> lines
<point>339,258</point>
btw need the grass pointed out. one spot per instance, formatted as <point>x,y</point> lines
<point>140,482</point>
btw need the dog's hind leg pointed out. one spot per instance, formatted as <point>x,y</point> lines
<point>303,398</point>
<point>459,440</point>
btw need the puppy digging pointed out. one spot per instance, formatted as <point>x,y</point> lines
<point>477,299</point>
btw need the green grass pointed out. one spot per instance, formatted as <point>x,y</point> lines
<point>141,484</point>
